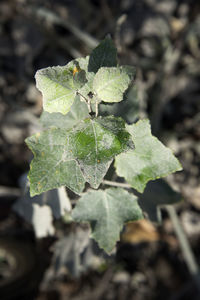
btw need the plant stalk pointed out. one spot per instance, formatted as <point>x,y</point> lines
<point>118,184</point>
<point>185,245</point>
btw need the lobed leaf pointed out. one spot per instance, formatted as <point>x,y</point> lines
<point>72,157</point>
<point>53,164</point>
<point>110,84</point>
<point>59,87</point>
<point>107,211</point>
<point>150,159</point>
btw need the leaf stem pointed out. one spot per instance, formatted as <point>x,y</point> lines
<point>119,184</point>
<point>87,101</point>
<point>96,109</point>
<point>89,106</point>
<point>183,240</point>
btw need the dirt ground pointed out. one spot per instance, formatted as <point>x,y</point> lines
<point>161,38</point>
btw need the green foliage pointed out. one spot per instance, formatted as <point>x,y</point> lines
<point>107,211</point>
<point>53,164</point>
<point>72,157</point>
<point>77,147</point>
<point>78,112</point>
<point>59,87</point>
<point>110,83</point>
<point>150,160</point>
<point>104,55</point>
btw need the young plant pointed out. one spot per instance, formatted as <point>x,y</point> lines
<point>78,146</point>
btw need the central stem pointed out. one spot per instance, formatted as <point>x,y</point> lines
<point>119,184</point>
<point>96,108</point>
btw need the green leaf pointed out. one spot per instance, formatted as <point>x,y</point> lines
<point>107,211</point>
<point>72,157</point>
<point>104,55</point>
<point>96,142</point>
<point>150,159</point>
<point>59,87</point>
<point>53,164</point>
<point>110,84</point>
<point>78,112</point>
<point>100,139</point>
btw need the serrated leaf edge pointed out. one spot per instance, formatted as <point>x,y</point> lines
<point>179,168</point>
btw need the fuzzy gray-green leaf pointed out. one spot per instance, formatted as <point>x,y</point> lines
<point>150,159</point>
<point>53,164</point>
<point>107,211</point>
<point>110,84</point>
<point>72,157</point>
<point>59,86</point>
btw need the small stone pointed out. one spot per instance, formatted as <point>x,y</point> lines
<point>13,134</point>
<point>121,277</point>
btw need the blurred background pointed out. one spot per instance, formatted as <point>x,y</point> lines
<point>42,254</point>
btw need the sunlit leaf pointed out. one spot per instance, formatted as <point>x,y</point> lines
<point>110,84</point>
<point>72,157</point>
<point>59,86</point>
<point>150,159</point>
